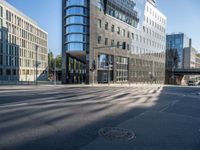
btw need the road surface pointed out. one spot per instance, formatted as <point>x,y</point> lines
<point>69,118</point>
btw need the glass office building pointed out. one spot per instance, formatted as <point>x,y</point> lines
<point>77,25</point>
<point>179,42</point>
<point>93,32</point>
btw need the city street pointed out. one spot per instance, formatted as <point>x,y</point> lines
<point>70,117</point>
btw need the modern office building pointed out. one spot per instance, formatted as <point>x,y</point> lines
<point>180,54</point>
<point>197,64</point>
<point>189,58</point>
<point>112,41</point>
<point>23,46</point>
<point>178,41</point>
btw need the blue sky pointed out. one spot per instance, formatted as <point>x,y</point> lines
<point>183,16</point>
<point>47,13</point>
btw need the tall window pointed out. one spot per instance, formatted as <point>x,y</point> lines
<point>113,28</point>
<point>99,23</point>
<point>112,42</point>
<point>122,69</point>
<point>1,60</point>
<point>106,26</point>
<point>1,11</point>
<point>118,30</point>
<point>106,41</point>
<point>1,72</point>
<point>99,39</point>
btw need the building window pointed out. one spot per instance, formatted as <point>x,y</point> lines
<point>144,29</point>
<point>106,41</point>
<point>1,59</point>
<point>1,71</point>
<point>14,72</point>
<point>112,42</point>
<point>113,28</point>
<point>77,38</point>
<point>99,23</point>
<point>106,26</point>
<point>118,30</point>
<point>128,47</point>
<point>76,20</point>
<point>122,69</point>
<point>133,36</point>
<point>116,12</point>
<point>118,44</point>
<point>100,5</point>
<point>8,72</point>
<point>1,38</point>
<point>1,11</point>
<point>128,34</point>
<point>99,39</point>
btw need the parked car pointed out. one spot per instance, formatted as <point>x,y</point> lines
<point>191,83</point>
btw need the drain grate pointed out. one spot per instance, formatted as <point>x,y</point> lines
<point>114,133</point>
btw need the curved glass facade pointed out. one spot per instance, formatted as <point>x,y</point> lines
<point>76,25</point>
<point>77,11</point>
<point>76,2</point>
<point>77,29</point>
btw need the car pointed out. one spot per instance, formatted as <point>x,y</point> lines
<point>198,83</point>
<point>191,83</point>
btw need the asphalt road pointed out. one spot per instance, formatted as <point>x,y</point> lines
<point>69,118</point>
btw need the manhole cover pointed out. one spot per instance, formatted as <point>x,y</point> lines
<point>114,133</point>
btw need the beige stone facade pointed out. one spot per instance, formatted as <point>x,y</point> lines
<point>22,42</point>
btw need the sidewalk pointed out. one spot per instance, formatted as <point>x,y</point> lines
<point>108,85</point>
<point>79,85</point>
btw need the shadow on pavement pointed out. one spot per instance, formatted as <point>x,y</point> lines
<point>69,119</point>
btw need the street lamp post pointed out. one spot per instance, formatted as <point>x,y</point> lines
<point>55,72</point>
<point>173,77</point>
<point>153,71</point>
<point>12,64</point>
<point>36,65</point>
<point>109,68</point>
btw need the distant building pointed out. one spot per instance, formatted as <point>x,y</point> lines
<point>93,34</point>
<point>180,54</point>
<point>178,41</point>
<point>197,64</point>
<point>22,42</point>
<point>189,58</point>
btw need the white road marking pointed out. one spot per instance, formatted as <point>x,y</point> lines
<point>169,105</point>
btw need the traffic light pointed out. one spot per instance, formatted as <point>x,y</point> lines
<point>124,45</point>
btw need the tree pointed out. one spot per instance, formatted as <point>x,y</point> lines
<point>51,64</point>
<point>54,62</point>
<point>51,61</point>
<point>59,61</point>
